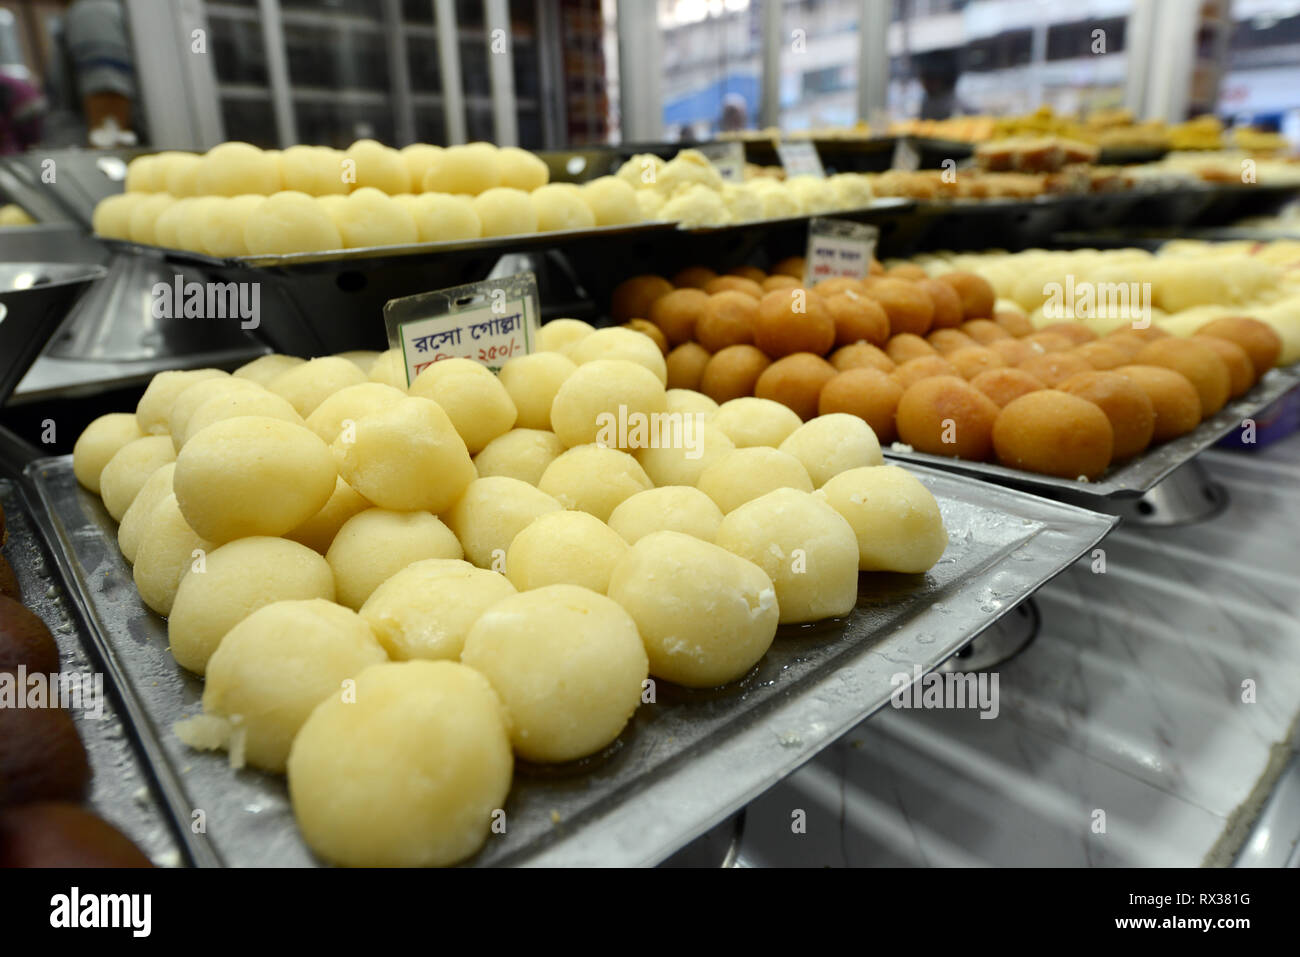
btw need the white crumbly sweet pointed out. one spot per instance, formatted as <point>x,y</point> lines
<point>131,528</point>
<point>569,548</point>
<point>191,398</point>
<point>532,382</point>
<point>407,456</point>
<point>290,222</point>
<point>276,665</point>
<point>521,169</point>
<point>379,166</point>
<point>895,517</point>
<point>705,616</point>
<point>808,550</point>
<point>252,475</point>
<point>492,512</point>
<point>130,467</point>
<point>224,219</point>
<point>682,463</point>
<point>619,343</point>
<point>605,401</point>
<point>265,368</point>
<point>235,404</point>
<point>318,532</point>
<point>594,479</point>
<point>559,208</point>
<point>675,508</point>
<point>442,218</point>
<point>237,579</point>
<point>341,409</point>
<point>376,544</point>
<point>559,334</point>
<point>409,773</point>
<point>314,170</point>
<point>750,421</point>
<point>368,217</point>
<point>569,667</point>
<point>390,369</point>
<point>612,201</point>
<point>744,474</point>
<point>100,441</point>
<point>232,169</point>
<point>167,551</point>
<point>426,609</point>
<point>690,401</point>
<point>830,444</point>
<point>503,211</point>
<point>474,399</point>
<point>155,406</point>
<point>308,385</point>
<point>522,454</point>
<point>466,170</point>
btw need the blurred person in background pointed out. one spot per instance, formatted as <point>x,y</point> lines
<point>22,112</point>
<point>99,51</point>
<point>735,113</point>
<point>938,72</point>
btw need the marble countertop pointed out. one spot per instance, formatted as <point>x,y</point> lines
<point>1122,738</point>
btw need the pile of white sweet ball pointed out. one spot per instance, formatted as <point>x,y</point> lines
<point>690,190</point>
<point>238,200</point>
<point>393,591</point>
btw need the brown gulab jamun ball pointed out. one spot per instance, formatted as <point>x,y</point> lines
<point>1049,342</point>
<point>796,381</point>
<point>790,266</point>
<point>1054,367</point>
<point>1016,323</point>
<point>972,361</point>
<point>922,367</point>
<point>945,341</point>
<point>906,346</point>
<point>984,331</point>
<point>948,312</point>
<point>9,581</point>
<point>732,372</point>
<point>1241,371</point>
<point>944,415</point>
<point>976,293</point>
<point>838,284</point>
<point>793,320</point>
<point>1103,355</point>
<point>1013,351</point>
<point>4,531</point>
<point>861,355</point>
<point>727,319</point>
<point>875,267</point>
<point>748,272</point>
<point>908,306</point>
<point>857,319</point>
<point>1148,333</point>
<point>1132,416</point>
<point>736,283</point>
<point>1175,400</point>
<point>632,297</point>
<point>686,365</point>
<point>1073,330</point>
<point>1126,341</point>
<point>1260,340</point>
<point>41,757</point>
<point>693,277</point>
<point>780,281</point>
<point>648,328</point>
<point>25,640</point>
<point>62,834</point>
<point>677,312</point>
<point>869,394</point>
<point>1003,385</point>
<point>1198,363</point>
<point>909,271</point>
<point>1054,433</point>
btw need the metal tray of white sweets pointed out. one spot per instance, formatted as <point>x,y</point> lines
<point>1138,475</point>
<point>684,763</point>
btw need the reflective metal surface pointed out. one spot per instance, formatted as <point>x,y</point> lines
<point>34,299</point>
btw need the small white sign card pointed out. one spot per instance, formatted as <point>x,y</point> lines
<point>799,157</point>
<point>728,157</point>
<point>838,247</point>
<point>490,322</point>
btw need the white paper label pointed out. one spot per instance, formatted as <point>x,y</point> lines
<point>489,322</point>
<point>727,158</point>
<point>838,247</point>
<point>799,157</point>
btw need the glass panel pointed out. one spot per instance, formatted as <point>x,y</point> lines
<point>712,54</point>
<point>1259,86</point>
<point>819,64</point>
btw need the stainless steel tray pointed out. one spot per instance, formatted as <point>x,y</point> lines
<point>121,788</point>
<point>1137,476</point>
<point>684,763</point>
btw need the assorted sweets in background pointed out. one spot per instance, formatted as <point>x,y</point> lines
<point>499,573</point>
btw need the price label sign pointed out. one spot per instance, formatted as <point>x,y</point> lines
<point>905,156</point>
<point>799,157</point>
<point>838,247</point>
<point>489,322</point>
<point>728,158</point>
